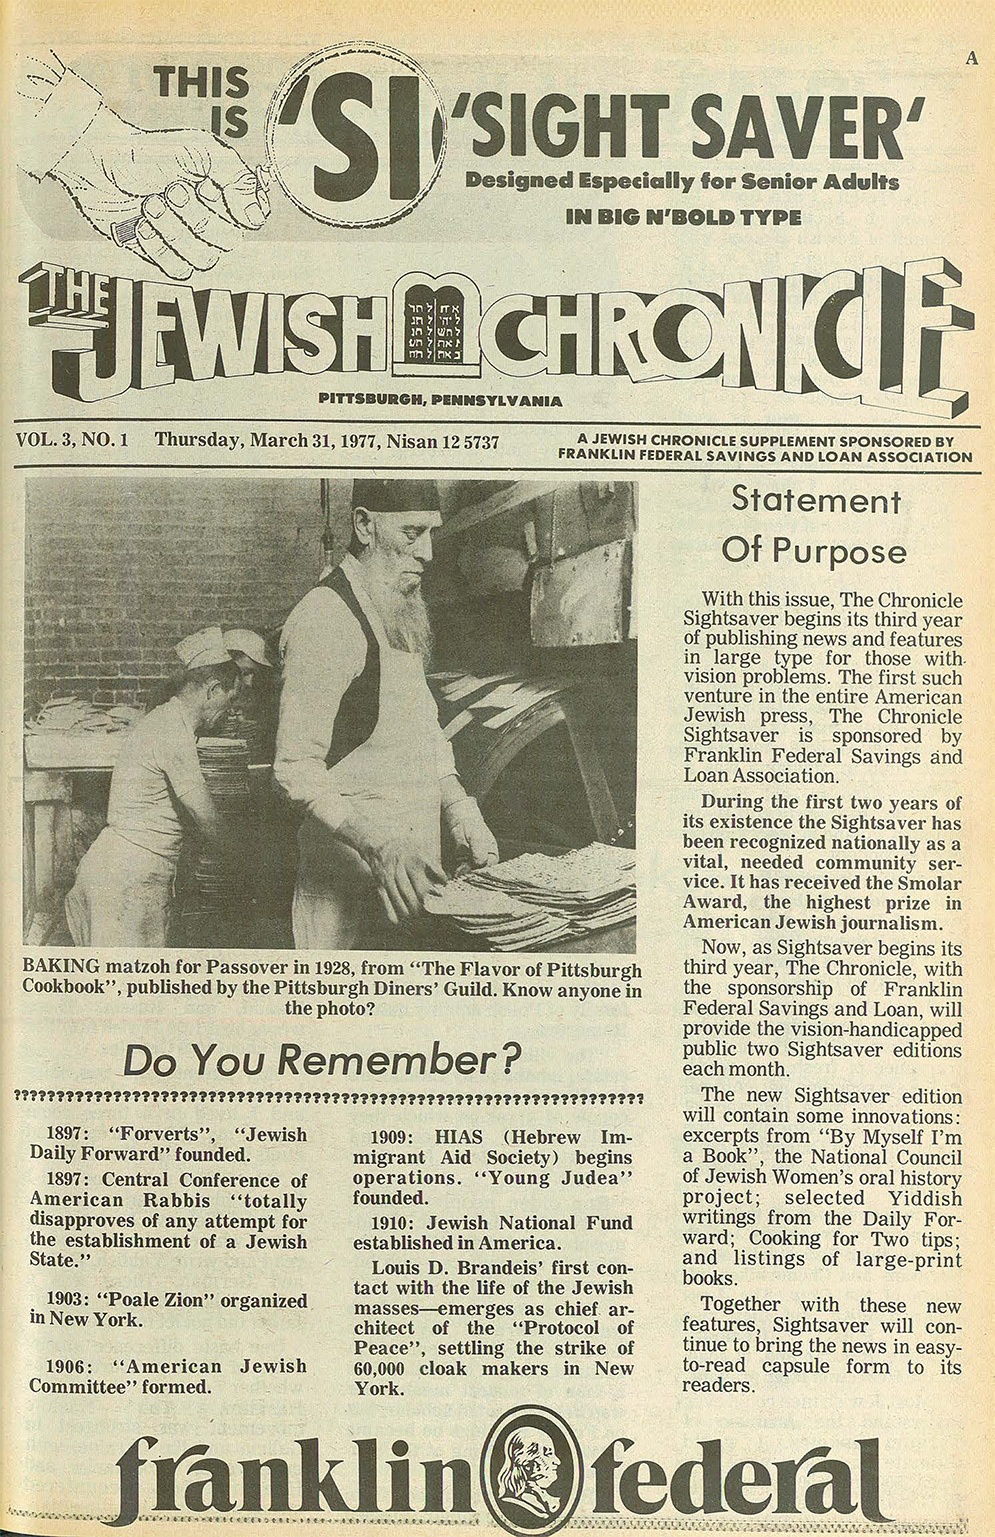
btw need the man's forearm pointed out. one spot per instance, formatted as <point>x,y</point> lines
<point>306,783</point>
<point>451,792</point>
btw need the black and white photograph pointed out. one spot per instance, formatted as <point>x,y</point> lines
<point>377,713</point>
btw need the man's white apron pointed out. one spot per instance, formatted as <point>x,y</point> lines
<point>123,895</point>
<point>393,779</point>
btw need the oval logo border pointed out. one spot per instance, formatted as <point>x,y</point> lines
<point>334,50</point>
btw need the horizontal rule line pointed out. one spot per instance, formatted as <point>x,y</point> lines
<point>474,469</point>
<point>500,421</point>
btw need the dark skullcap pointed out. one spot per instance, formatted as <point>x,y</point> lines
<point>396,495</point>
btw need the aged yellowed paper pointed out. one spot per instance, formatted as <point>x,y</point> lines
<point>497,690</point>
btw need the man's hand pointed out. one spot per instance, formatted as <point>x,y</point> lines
<point>403,878</point>
<point>476,845</point>
<point>178,196</point>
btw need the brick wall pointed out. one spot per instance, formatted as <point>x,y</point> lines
<point>118,569</point>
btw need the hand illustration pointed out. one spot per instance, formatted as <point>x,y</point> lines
<point>177,196</point>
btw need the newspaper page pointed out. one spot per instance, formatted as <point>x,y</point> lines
<point>496,710</point>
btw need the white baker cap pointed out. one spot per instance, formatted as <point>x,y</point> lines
<point>249,643</point>
<point>205,648</point>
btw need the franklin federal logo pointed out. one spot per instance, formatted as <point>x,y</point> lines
<point>531,1471</point>
<point>531,1477</point>
<point>356,134</point>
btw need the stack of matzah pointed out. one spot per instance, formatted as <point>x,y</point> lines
<point>526,902</point>
<point>217,887</point>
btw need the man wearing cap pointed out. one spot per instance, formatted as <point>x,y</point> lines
<point>359,747</point>
<point>253,715</point>
<point>248,651</point>
<point>123,893</point>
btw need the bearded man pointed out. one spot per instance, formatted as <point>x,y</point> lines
<point>359,747</point>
